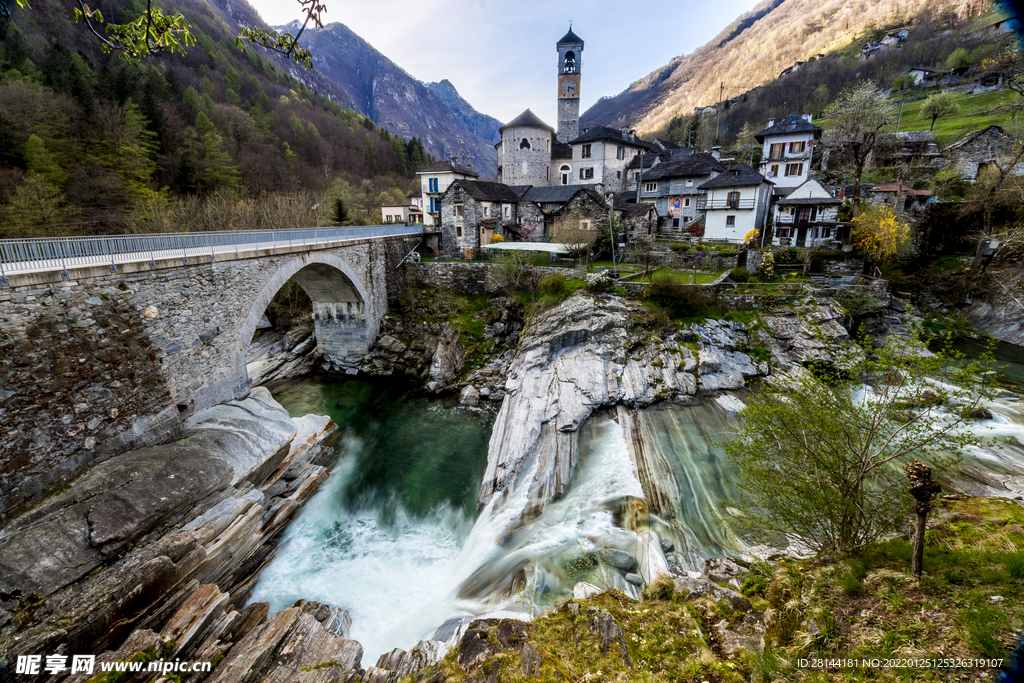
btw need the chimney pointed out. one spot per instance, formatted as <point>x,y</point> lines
<point>455,159</point>
<point>716,151</point>
<point>469,161</point>
<point>771,122</point>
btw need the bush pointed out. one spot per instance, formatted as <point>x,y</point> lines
<point>727,253</point>
<point>676,299</point>
<point>740,275</point>
<point>598,282</point>
<point>619,290</point>
<point>552,284</point>
<point>679,248</point>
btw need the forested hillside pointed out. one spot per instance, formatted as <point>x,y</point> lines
<point>759,45</point>
<point>94,144</point>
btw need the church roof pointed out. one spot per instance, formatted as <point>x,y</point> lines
<point>527,120</point>
<point>739,175</point>
<point>793,123</point>
<point>485,191</point>
<point>570,37</point>
<point>445,166</point>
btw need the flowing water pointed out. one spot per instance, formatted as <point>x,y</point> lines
<point>393,535</point>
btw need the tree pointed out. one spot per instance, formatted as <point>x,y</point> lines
<point>513,271</point>
<point>819,99</point>
<point>575,231</point>
<point>939,105</point>
<point>819,453</point>
<point>860,114</point>
<point>154,32</point>
<point>879,233</point>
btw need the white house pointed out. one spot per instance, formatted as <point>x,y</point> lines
<point>400,213</point>
<point>788,145</point>
<point>434,182</point>
<point>734,203</point>
<point>601,154</point>
<point>806,217</point>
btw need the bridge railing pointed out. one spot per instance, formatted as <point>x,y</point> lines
<point>49,253</point>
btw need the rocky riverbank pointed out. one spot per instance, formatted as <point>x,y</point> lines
<point>153,553</point>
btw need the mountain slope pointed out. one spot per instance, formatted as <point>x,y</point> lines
<point>481,125</point>
<point>754,49</point>
<point>391,98</point>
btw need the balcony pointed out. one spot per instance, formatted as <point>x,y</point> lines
<point>705,205</point>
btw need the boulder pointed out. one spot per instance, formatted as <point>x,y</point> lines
<point>701,588</point>
<point>469,396</point>
<point>722,570</point>
<point>584,590</point>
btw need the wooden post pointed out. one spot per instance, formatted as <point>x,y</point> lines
<point>922,488</point>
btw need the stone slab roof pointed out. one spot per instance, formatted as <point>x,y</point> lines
<point>606,134</point>
<point>681,166</point>
<point>739,175</point>
<point>555,194</point>
<point>570,37</point>
<point>809,201</point>
<point>793,123</point>
<point>486,191</point>
<point>446,166</point>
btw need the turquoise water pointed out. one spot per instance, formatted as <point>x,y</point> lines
<point>382,536</point>
<point>423,453</point>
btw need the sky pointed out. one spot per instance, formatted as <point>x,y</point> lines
<point>500,54</point>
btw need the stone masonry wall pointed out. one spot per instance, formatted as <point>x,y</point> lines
<point>105,362</point>
<point>469,277</point>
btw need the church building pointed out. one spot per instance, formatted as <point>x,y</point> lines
<point>533,153</point>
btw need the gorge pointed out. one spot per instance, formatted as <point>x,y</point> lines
<point>237,546</point>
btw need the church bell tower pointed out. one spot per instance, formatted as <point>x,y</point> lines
<point>570,60</point>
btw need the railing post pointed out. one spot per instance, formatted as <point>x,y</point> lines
<point>4,280</point>
<point>64,274</point>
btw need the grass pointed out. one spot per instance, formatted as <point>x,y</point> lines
<point>866,605</point>
<point>974,113</point>
<point>683,277</point>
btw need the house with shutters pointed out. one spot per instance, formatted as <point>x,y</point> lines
<point>672,181</point>
<point>434,182</point>
<point>787,148</point>
<point>473,212</point>
<point>734,203</point>
<point>807,217</point>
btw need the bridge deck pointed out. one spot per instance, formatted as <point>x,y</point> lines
<point>45,255</point>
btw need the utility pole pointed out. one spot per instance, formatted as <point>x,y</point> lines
<point>903,97</point>
<point>615,267</point>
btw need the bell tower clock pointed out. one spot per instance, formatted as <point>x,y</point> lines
<point>570,59</point>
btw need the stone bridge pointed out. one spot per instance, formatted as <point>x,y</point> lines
<point>108,347</point>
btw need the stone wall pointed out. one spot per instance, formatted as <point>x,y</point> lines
<point>469,277</point>
<point>104,362</point>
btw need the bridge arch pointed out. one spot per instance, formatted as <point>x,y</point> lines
<point>344,318</point>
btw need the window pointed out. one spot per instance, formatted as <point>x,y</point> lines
<point>432,185</point>
<point>794,169</point>
<point>458,231</point>
<point>585,225</point>
<point>651,187</point>
<point>730,221</point>
<point>586,173</point>
<point>508,210</point>
<point>499,173</point>
<point>826,233</point>
<point>675,222</point>
<point>547,145</point>
<point>618,175</point>
<point>524,144</point>
<point>797,147</point>
<point>620,152</point>
<point>483,230</point>
<point>733,200</point>
<point>776,150</point>
<point>636,176</point>
<point>585,151</point>
<point>458,209</point>
<point>774,173</point>
<point>783,232</point>
<point>686,203</point>
<point>564,170</point>
<point>569,65</point>
<point>689,182</point>
<point>487,210</point>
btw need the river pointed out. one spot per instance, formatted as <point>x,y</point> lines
<point>393,536</point>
